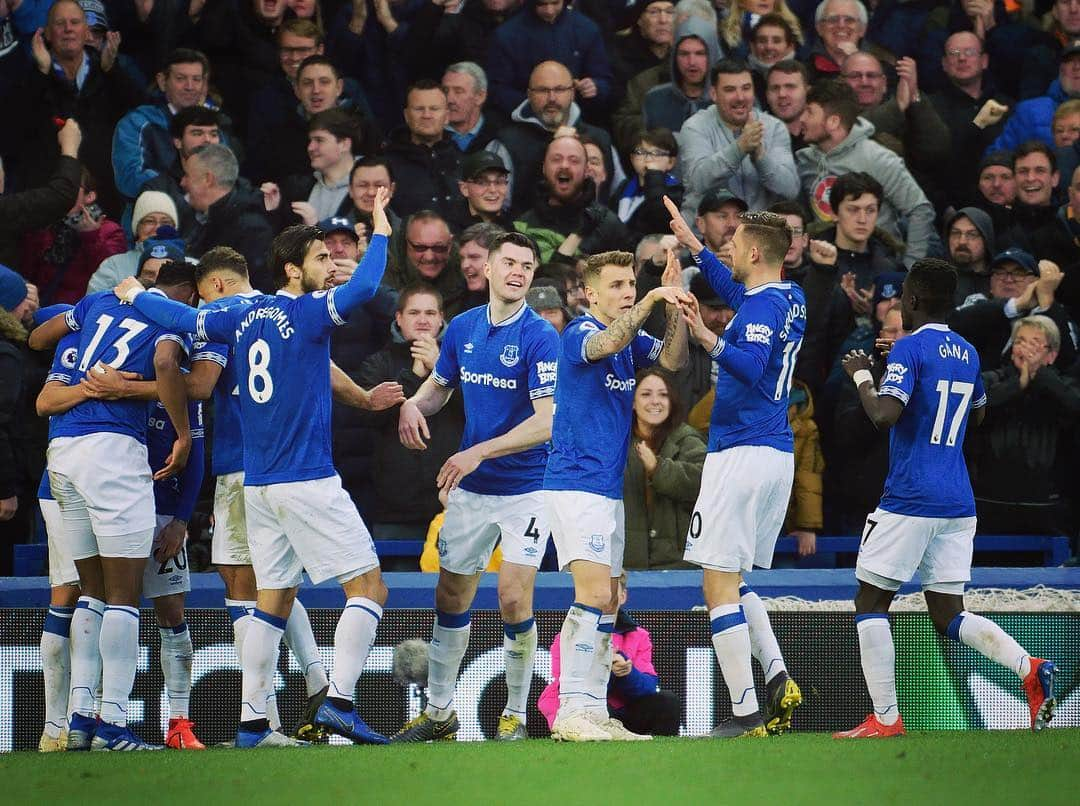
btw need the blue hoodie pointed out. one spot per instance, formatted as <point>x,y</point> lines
<point>1031,120</point>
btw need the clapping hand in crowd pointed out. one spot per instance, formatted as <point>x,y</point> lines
<point>425,352</point>
<point>1050,277</point>
<point>861,300</point>
<point>823,253</point>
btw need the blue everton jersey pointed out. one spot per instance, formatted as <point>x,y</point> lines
<point>118,335</point>
<point>594,404</point>
<point>500,369</point>
<point>175,496</point>
<point>281,358</point>
<point>757,356</point>
<point>935,374</point>
<point>228,443</point>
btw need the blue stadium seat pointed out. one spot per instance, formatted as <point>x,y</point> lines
<point>1054,548</point>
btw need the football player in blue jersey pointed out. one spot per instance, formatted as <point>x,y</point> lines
<point>299,518</point>
<point>222,278</point>
<point>56,650</point>
<point>502,357</point>
<point>925,522</point>
<point>599,356</point>
<point>748,473</point>
<point>100,474</point>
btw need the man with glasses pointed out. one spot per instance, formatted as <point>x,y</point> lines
<point>648,43</point>
<point>972,108</point>
<point>841,26</point>
<point>969,239</point>
<point>534,122</point>
<point>424,253</point>
<point>484,189</point>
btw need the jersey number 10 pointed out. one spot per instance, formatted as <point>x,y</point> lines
<point>944,390</point>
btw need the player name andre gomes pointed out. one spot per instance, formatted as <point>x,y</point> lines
<point>276,315</point>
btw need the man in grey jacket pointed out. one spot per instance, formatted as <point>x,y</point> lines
<point>731,146</point>
<point>840,143</point>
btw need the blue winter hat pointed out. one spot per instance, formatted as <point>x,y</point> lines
<point>165,245</point>
<point>888,285</point>
<point>12,288</point>
<point>43,315</point>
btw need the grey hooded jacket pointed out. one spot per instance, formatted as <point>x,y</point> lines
<point>905,204</point>
<point>666,105</point>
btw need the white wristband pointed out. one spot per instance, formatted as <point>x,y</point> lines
<point>862,376</point>
<point>129,296</point>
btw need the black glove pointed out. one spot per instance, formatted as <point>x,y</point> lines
<point>591,217</point>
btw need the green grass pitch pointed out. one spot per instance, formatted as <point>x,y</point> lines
<point>921,768</point>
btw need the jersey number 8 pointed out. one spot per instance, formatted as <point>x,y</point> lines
<point>260,384</point>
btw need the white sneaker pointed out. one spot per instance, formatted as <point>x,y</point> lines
<point>617,729</point>
<point>576,726</point>
<point>50,744</point>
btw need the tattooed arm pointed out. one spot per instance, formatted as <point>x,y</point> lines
<point>623,330</point>
<point>676,347</point>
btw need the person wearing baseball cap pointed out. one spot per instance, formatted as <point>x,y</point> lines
<point>485,191</point>
<point>718,217</point>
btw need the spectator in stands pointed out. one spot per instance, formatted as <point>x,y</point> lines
<point>546,301</point>
<point>648,43</point>
<point>806,512</point>
<point>1020,457</point>
<point>697,380</point>
<point>685,73</point>
<point>718,217</point>
<point>549,106</point>
<point>786,85</point>
<point>60,259</point>
<point>40,206</point>
<point>1060,243</point>
<point>747,152</point>
<point>969,239</point>
<point>474,243</point>
<point>322,191</point>
<point>639,200</point>
<point>155,254</point>
<point>470,127</point>
<point>566,220</point>
<point>1037,177</point>
<point>772,40</point>
<point>226,214</point>
<point>739,26</point>
<point>857,455</point>
<point>425,162</point>
<point>972,109</point>
<point>73,80</point>
<point>1039,65</point>
<point>485,188</point>
<point>547,30</point>
<point>1032,119</point>
<point>671,103</point>
<point>596,168</point>
<point>423,251</point>
<point>662,476</point>
<point>16,485</point>
<point>633,693</point>
<point>279,135</point>
<point>143,144</point>
<point>796,261</point>
<point>996,181</point>
<point>1018,287</point>
<point>863,250</point>
<point>153,212</point>
<point>406,497</point>
<point>369,174</point>
<point>840,143</point>
<point>1065,126</point>
<point>841,26</point>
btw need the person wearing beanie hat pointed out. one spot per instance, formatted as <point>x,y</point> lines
<point>545,300</point>
<point>997,183</point>
<point>12,289</point>
<point>153,211</point>
<point>652,32</point>
<point>969,238</point>
<point>155,255</point>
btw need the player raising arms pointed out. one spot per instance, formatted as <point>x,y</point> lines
<point>748,473</point>
<point>502,357</point>
<point>926,519</point>
<point>298,515</point>
<point>599,355</point>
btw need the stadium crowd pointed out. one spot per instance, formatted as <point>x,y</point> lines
<point>148,131</point>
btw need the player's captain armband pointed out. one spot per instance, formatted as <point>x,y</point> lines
<point>894,374</point>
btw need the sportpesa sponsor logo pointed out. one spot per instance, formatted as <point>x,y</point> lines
<point>618,384</point>
<point>487,379</point>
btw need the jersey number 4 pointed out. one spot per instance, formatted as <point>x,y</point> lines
<point>945,390</point>
<point>131,328</point>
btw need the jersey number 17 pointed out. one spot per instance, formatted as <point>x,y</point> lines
<point>946,390</point>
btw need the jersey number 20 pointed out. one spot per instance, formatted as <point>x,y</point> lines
<point>945,390</point>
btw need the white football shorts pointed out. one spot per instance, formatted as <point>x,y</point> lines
<point>740,509</point>
<point>587,526</point>
<point>475,523</point>
<point>229,545</point>
<point>895,546</point>
<point>103,485</point>
<point>165,578</point>
<point>61,567</point>
<point>308,526</point>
